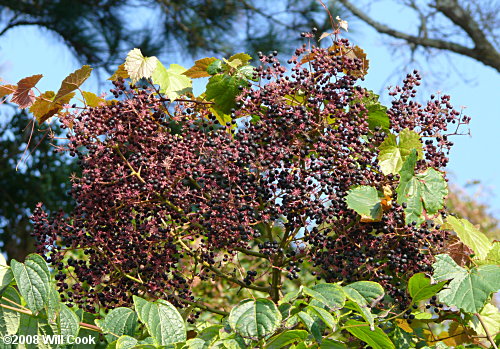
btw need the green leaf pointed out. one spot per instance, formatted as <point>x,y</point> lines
<point>172,82</point>
<point>377,339</point>
<point>33,281</point>
<point>138,66</point>
<point>248,72</point>
<point>469,289</point>
<point>223,89</point>
<point>324,315</point>
<point>363,295</point>
<point>205,338</point>
<point>493,256</point>
<point>286,338</point>
<point>69,322</point>
<point>6,277</point>
<point>53,305</point>
<point>242,57</point>
<point>365,201</point>
<point>9,319</point>
<point>72,82</point>
<point>392,155</point>
<point>215,67</point>
<point>469,235</point>
<point>333,295</point>
<point>420,287</point>
<point>491,318</point>
<point>424,190</point>
<point>126,342</point>
<point>255,318</point>
<point>314,325</point>
<point>119,321</point>
<point>331,344</point>
<point>163,321</point>
<point>402,339</point>
<point>377,113</point>
<point>199,69</point>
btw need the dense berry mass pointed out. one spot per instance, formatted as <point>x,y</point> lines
<point>167,193</point>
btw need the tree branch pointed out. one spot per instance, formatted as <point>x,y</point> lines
<point>484,51</point>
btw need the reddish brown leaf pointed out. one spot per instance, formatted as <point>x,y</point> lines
<point>73,81</point>
<point>457,250</point>
<point>7,90</point>
<point>23,96</point>
<point>199,69</point>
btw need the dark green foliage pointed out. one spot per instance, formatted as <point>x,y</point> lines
<point>43,179</point>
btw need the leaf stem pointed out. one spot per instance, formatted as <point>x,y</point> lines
<point>488,335</point>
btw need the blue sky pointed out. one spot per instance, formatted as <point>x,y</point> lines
<point>26,51</point>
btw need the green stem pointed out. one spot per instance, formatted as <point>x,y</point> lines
<point>202,306</point>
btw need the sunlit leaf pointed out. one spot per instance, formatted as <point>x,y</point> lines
<point>199,69</point>
<point>469,235</point>
<point>121,72</point>
<point>365,200</point>
<point>7,90</point>
<point>172,82</point>
<point>138,66</point>
<point>24,96</point>
<point>72,82</point>
<point>92,100</point>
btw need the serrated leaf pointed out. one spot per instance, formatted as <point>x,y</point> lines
<point>420,287</point>
<point>69,322</point>
<point>255,318</point>
<point>126,342</point>
<point>205,338</point>
<point>199,69</point>
<point>493,256</point>
<point>491,318</point>
<point>172,82</point>
<point>93,100</point>
<point>138,66</point>
<point>53,308</point>
<point>424,190</point>
<point>163,321</point>
<point>366,201</point>
<point>393,154</point>
<point>286,338</point>
<point>72,82</point>
<point>469,235</point>
<point>376,114</point>
<point>468,289</point>
<point>9,319</point>
<point>314,325</point>
<point>33,281</point>
<point>223,89</point>
<point>242,57</point>
<point>23,96</point>
<point>331,344</point>
<point>363,295</point>
<point>215,67</point>
<point>324,315</point>
<point>120,72</point>
<point>45,105</point>
<point>7,90</point>
<point>332,294</point>
<point>118,322</point>
<point>248,72</point>
<point>377,338</point>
